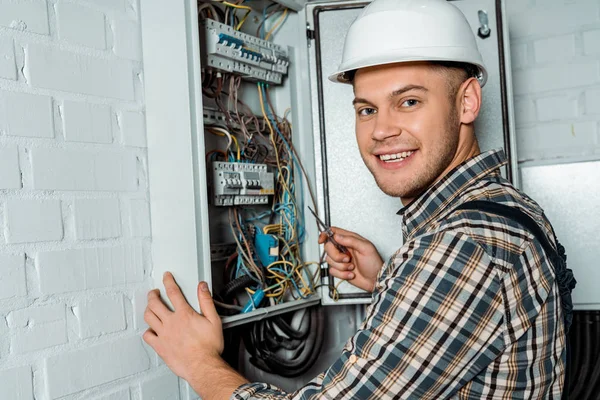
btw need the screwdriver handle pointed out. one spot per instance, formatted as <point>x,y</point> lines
<point>341,248</point>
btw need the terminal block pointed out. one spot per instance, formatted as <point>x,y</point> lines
<point>241,184</point>
<point>228,50</point>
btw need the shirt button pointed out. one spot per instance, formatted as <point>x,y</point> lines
<point>352,359</point>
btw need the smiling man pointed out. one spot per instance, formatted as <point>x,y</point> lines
<point>469,307</point>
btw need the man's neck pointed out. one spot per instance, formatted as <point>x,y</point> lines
<point>463,153</point>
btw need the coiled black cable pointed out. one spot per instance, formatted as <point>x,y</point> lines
<point>270,342</point>
<point>584,363</point>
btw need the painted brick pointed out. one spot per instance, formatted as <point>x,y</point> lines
<point>518,55</point>
<point>16,110</point>
<point>97,218</point>
<point>33,220</point>
<point>10,175</point>
<point>38,328</point>
<point>556,140</point>
<point>81,25</point>
<point>140,300</point>
<point>559,48</point>
<point>12,276</point>
<point>118,5</point>
<point>140,218</point>
<point>51,68</point>
<point>536,80</point>
<point>556,108</point>
<point>524,111</point>
<point>30,16</point>
<point>133,126</point>
<point>16,384</point>
<point>8,66</point>
<point>59,169</point>
<point>72,372</point>
<point>591,42</point>
<point>164,387</point>
<point>128,41</point>
<point>82,269</point>
<point>592,101</point>
<point>36,316</point>
<point>87,123</point>
<point>101,315</point>
<point>120,395</point>
<point>552,18</point>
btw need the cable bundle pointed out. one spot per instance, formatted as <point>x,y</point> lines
<point>286,348</point>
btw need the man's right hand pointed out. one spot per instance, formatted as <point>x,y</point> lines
<point>361,267</point>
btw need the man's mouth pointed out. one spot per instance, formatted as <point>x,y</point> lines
<point>395,157</point>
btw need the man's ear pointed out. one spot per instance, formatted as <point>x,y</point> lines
<point>470,101</point>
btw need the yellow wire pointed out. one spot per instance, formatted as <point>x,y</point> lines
<point>239,26</point>
<point>279,22</point>
<point>238,147</point>
<point>236,5</point>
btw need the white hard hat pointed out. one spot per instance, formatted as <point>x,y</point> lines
<point>392,31</point>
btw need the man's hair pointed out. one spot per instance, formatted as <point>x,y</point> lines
<point>457,73</point>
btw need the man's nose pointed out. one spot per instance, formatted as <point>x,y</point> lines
<point>386,126</point>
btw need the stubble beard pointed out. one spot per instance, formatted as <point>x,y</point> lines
<point>435,163</point>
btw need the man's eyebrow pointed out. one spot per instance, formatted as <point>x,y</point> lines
<point>408,88</point>
<point>360,100</point>
<point>395,93</point>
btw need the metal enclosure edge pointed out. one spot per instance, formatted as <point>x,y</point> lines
<point>172,103</point>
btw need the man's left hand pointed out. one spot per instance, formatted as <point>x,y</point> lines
<point>184,339</point>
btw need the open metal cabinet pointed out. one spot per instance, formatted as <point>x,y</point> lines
<point>186,229</point>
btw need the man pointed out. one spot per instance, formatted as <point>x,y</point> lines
<point>469,307</point>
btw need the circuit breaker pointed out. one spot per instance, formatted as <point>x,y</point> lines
<point>241,184</point>
<point>232,51</point>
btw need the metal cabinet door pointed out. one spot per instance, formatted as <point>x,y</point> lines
<point>347,192</point>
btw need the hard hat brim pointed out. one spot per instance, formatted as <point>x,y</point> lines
<point>404,56</point>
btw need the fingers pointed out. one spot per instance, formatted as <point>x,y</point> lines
<point>341,266</point>
<point>174,292</point>
<point>151,338</point>
<point>156,305</point>
<point>346,275</point>
<point>355,242</point>
<point>207,305</point>
<point>152,320</point>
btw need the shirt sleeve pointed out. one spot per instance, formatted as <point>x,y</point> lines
<point>435,322</point>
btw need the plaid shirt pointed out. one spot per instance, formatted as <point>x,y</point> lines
<point>468,308</point>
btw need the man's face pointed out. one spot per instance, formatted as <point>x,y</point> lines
<point>407,127</point>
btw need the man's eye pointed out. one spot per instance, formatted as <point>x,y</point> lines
<point>410,103</point>
<point>363,112</point>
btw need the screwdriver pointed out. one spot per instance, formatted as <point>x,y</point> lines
<point>327,231</point>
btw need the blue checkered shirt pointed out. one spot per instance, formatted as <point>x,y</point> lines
<point>468,308</point>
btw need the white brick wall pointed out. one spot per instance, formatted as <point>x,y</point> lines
<point>81,25</point>
<point>99,316</point>
<point>84,122</point>
<point>10,178</point>
<point>16,111</point>
<point>164,387</point>
<point>97,218</point>
<point>74,253</point>
<point>74,268</point>
<point>555,46</point>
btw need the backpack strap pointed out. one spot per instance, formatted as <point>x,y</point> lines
<point>558,259</point>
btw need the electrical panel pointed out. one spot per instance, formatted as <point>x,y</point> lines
<point>241,184</point>
<point>231,51</point>
<point>267,135</point>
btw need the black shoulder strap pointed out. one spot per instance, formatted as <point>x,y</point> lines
<point>564,276</point>
<point>513,214</point>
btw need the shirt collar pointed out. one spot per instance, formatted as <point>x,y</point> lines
<point>437,197</point>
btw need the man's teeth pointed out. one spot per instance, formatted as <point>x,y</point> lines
<point>395,157</point>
